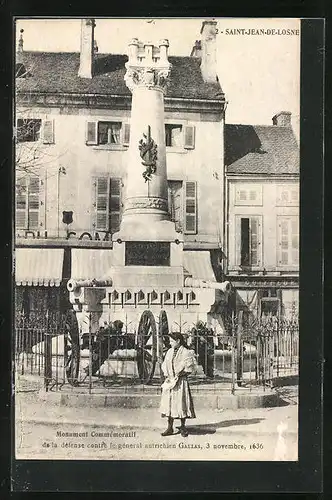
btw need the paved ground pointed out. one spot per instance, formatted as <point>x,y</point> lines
<point>55,432</point>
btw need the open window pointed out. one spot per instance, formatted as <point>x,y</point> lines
<point>249,237</point>
<point>28,129</point>
<point>107,133</point>
<point>179,136</point>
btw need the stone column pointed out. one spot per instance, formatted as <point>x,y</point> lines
<point>146,199</point>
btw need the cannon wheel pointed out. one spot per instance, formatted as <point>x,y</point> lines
<point>71,344</point>
<point>146,347</point>
<point>163,340</point>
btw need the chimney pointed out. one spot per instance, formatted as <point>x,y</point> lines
<point>209,51</point>
<point>282,119</point>
<point>196,51</point>
<point>87,48</point>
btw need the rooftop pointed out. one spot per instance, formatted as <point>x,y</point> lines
<point>261,149</point>
<point>57,72</point>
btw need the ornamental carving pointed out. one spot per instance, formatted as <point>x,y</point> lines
<point>143,203</point>
<point>148,77</point>
<point>148,152</point>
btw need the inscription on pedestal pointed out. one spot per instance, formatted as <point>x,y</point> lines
<point>147,253</point>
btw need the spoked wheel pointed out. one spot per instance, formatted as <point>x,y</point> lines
<point>163,339</point>
<point>72,352</point>
<point>146,347</point>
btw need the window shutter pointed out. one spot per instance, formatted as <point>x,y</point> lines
<point>284,242</point>
<point>33,202</point>
<point>21,213</point>
<point>115,204</point>
<point>252,195</point>
<point>91,133</point>
<point>295,240</point>
<point>254,236</point>
<point>189,137</point>
<point>101,203</point>
<point>237,260</point>
<point>190,208</point>
<point>126,134</point>
<point>42,203</point>
<point>242,195</point>
<point>48,132</point>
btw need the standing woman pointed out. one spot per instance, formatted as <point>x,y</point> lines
<point>176,399</point>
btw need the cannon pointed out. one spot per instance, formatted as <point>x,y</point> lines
<point>150,342</point>
<point>149,336</point>
<point>74,285</point>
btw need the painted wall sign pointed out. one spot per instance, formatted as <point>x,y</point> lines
<point>92,236</point>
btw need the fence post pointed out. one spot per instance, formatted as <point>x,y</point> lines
<point>277,345</point>
<point>90,355</point>
<point>239,350</point>
<point>47,354</point>
<point>233,323</point>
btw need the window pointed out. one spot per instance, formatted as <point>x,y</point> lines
<point>249,241</point>
<point>190,208</point>
<point>288,241</point>
<point>182,205</point>
<point>270,302</point>
<point>28,130</point>
<point>248,194</point>
<point>173,135</point>
<point>107,133</point>
<point>107,204</point>
<point>288,196</point>
<point>32,130</point>
<point>178,136</point>
<point>270,307</point>
<point>175,203</point>
<point>27,202</point>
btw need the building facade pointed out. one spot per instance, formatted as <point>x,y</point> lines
<point>73,130</point>
<point>262,222</point>
<point>232,190</point>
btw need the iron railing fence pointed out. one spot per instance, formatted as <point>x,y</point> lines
<point>251,354</point>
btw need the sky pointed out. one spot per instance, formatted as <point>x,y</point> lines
<point>260,74</point>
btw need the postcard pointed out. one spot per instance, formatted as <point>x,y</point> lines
<point>157,188</point>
